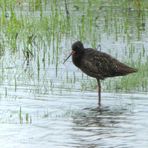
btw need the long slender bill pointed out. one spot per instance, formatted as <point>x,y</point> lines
<point>69,56</point>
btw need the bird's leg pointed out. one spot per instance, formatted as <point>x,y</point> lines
<point>99,92</point>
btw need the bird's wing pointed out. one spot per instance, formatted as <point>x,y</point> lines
<point>99,64</point>
<point>109,66</point>
<point>90,69</point>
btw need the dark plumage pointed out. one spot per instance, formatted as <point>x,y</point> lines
<point>97,64</point>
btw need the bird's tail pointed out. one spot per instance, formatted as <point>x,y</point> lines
<point>124,69</point>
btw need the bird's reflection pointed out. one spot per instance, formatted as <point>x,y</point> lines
<point>99,117</point>
<point>92,125</point>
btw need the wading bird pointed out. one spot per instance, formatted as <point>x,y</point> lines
<point>97,64</point>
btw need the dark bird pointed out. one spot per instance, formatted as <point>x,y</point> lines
<point>97,64</point>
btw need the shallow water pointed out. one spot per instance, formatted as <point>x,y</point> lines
<point>73,120</point>
<point>44,103</point>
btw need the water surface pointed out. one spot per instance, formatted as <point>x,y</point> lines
<point>73,120</point>
<point>44,103</point>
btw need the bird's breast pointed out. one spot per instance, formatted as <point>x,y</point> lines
<point>76,60</point>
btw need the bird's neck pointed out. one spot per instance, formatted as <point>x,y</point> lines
<point>76,59</point>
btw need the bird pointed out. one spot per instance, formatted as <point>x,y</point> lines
<point>97,64</point>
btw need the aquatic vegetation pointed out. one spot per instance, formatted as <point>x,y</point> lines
<point>42,36</point>
<point>40,98</point>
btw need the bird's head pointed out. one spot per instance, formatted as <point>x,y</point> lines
<point>77,47</point>
<point>77,50</point>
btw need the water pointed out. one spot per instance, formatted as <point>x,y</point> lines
<point>73,120</point>
<point>44,103</point>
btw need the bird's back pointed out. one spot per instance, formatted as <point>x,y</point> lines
<point>101,65</point>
